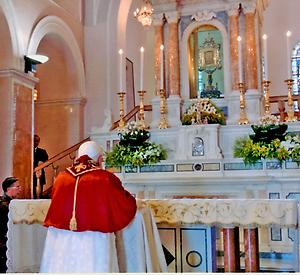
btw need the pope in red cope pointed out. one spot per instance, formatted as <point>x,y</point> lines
<point>86,203</point>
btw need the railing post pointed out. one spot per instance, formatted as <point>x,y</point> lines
<point>251,250</point>
<point>231,244</point>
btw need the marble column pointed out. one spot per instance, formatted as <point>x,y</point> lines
<point>174,101</point>
<point>251,250</point>
<point>234,32</point>
<point>158,41</point>
<point>231,245</point>
<point>16,111</point>
<point>250,41</point>
<point>173,54</point>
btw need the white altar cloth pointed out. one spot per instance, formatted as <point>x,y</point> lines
<point>138,246</point>
<point>225,212</point>
<point>26,235</point>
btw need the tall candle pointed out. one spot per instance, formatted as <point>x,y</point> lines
<point>161,67</point>
<point>121,69</point>
<point>239,39</point>
<point>265,37</point>
<point>288,35</point>
<point>142,68</point>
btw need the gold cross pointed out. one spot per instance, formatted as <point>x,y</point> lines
<point>80,167</point>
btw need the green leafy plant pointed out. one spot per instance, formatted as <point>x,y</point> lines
<point>268,142</point>
<point>204,111</point>
<point>134,149</point>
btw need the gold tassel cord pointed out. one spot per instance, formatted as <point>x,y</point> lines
<point>73,222</point>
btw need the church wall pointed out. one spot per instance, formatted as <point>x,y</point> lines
<point>102,42</point>
<point>36,10</point>
<point>135,39</point>
<point>100,39</point>
<point>73,7</point>
<point>279,17</point>
<point>60,79</point>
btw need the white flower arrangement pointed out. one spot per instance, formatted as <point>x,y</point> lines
<point>269,119</point>
<point>204,111</point>
<point>134,149</point>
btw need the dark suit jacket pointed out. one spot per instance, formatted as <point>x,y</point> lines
<point>39,155</point>
<point>4,202</point>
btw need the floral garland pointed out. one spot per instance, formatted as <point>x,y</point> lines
<point>134,149</point>
<point>268,142</point>
<point>204,111</point>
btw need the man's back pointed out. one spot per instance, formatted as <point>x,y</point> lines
<point>102,204</point>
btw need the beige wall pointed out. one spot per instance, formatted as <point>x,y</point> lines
<point>279,17</point>
<point>60,124</point>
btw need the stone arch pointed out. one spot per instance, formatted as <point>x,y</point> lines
<point>184,55</point>
<point>15,46</point>
<point>60,107</point>
<point>54,25</point>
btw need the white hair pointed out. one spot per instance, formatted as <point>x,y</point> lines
<point>90,148</point>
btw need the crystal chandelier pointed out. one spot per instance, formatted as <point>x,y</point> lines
<point>144,14</point>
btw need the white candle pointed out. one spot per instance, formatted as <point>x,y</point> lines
<point>142,68</point>
<point>239,39</point>
<point>161,67</point>
<point>265,37</point>
<point>288,35</point>
<point>121,69</point>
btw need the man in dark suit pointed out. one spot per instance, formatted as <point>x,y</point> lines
<point>11,190</point>
<point>39,156</point>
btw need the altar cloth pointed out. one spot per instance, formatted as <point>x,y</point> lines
<point>138,246</point>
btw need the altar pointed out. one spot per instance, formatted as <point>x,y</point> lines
<point>141,251</point>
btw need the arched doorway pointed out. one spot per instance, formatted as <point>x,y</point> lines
<point>59,106</point>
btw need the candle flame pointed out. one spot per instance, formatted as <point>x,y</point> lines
<point>239,38</point>
<point>265,37</point>
<point>161,47</point>
<point>120,52</point>
<point>288,33</point>
<point>142,49</point>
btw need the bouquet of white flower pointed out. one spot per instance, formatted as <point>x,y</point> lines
<point>134,149</point>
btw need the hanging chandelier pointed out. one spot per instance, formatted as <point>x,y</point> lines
<point>144,14</point>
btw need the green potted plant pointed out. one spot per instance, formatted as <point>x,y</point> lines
<point>134,148</point>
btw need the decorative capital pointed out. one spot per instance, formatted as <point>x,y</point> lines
<point>249,8</point>
<point>234,10</point>
<point>158,19</point>
<point>205,15</point>
<point>172,17</point>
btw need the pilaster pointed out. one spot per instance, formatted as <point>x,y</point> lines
<point>16,111</point>
<point>173,54</point>
<point>250,40</point>
<point>234,32</point>
<point>174,103</point>
<point>158,40</point>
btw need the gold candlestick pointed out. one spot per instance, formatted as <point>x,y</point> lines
<point>266,85</point>
<point>290,112</point>
<point>243,117</point>
<point>142,111</point>
<point>163,123</point>
<point>121,121</point>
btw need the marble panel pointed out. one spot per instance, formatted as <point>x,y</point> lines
<point>22,152</point>
<point>234,30</point>
<point>251,56</point>
<point>173,60</point>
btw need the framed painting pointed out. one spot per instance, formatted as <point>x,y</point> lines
<point>130,93</point>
